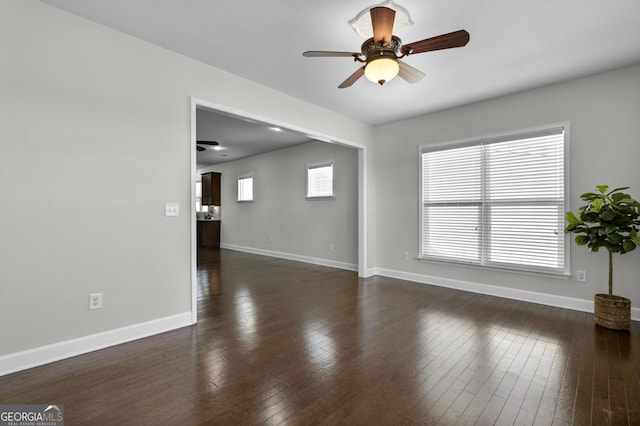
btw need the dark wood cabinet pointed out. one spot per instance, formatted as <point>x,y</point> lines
<point>209,230</point>
<point>211,189</point>
<point>209,233</point>
<point>206,189</point>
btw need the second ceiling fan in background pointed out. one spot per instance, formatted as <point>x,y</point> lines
<point>201,148</point>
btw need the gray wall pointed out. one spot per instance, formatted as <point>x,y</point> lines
<point>603,113</point>
<point>281,220</point>
<point>95,132</point>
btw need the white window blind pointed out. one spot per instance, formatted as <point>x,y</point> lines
<point>320,180</point>
<point>496,202</point>
<point>245,188</point>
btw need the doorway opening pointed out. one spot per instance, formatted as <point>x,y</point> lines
<point>197,104</point>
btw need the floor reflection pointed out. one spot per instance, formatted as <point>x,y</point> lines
<point>245,311</point>
<point>320,348</point>
<point>216,368</point>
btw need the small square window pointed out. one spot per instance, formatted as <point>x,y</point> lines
<point>245,188</point>
<point>320,180</point>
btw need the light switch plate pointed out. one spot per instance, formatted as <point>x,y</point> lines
<point>172,209</point>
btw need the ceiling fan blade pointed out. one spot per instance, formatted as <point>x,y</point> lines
<point>382,22</point>
<point>214,143</point>
<point>409,73</point>
<point>445,41</point>
<point>199,148</point>
<point>352,78</point>
<point>321,53</point>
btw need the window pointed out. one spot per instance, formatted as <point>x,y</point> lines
<point>199,207</point>
<point>320,180</point>
<point>245,188</point>
<point>497,202</point>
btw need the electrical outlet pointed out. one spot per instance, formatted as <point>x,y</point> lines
<point>95,301</point>
<point>405,255</point>
<point>330,247</point>
<point>581,276</point>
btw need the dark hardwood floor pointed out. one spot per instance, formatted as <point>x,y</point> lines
<point>281,342</point>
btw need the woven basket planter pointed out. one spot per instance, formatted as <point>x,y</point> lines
<point>612,312</point>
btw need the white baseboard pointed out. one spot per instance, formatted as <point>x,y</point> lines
<point>370,272</point>
<point>296,257</point>
<point>45,354</point>
<point>492,290</point>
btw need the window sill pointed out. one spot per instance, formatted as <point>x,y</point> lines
<point>328,197</point>
<point>497,268</point>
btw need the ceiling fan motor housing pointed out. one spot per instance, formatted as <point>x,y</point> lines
<point>370,49</point>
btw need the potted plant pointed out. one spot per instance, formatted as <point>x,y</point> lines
<point>610,219</point>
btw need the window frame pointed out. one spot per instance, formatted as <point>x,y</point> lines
<point>200,208</point>
<point>240,178</point>
<point>562,272</point>
<point>323,164</point>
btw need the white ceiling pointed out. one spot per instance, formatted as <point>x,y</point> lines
<point>514,46</point>
<point>239,137</point>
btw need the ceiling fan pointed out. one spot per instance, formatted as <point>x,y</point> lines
<point>381,54</point>
<point>199,144</point>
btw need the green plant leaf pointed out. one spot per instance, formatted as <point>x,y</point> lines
<point>572,219</point>
<point>589,217</point>
<point>602,188</point>
<point>627,200</point>
<point>582,240</point>
<point>596,206</point>
<point>620,197</point>
<point>607,215</point>
<point>588,196</point>
<point>614,238</point>
<point>628,245</point>
<point>618,189</point>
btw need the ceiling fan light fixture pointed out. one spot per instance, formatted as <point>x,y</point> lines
<point>382,70</point>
